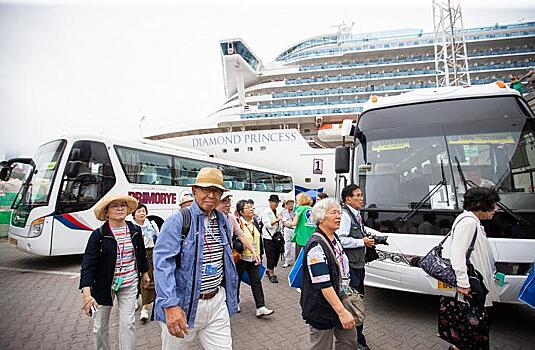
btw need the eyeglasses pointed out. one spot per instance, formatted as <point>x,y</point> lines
<point>217,192</point>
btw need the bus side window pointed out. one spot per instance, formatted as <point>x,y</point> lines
<point>87,177</point>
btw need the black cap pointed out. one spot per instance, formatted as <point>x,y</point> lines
<point>274,198</point>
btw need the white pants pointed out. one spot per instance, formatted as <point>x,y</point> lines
<point>289,247</point>
<point>212,325</point>
<point>126,301</point>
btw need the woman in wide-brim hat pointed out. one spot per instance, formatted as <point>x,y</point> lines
<point>114,259</point>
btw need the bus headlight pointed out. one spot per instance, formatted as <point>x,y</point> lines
<point>36,227</point>
<point>393,257</point>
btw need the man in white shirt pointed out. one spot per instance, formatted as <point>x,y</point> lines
<point>352,234</point>
<point>271,221</point>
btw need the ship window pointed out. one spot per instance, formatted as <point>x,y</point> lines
<point>236,149</point>
<point>262,148</point>
<point>308,180</point>
<point>224,150</point>
<point>322,179</point>
<point>250,149</point>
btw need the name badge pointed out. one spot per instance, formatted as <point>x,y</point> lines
<point>210,269</point>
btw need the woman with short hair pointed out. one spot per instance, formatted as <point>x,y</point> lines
<point>325,275</point>
<point>150,232</point>
<point>114,258</point>
<point>249,260</point>
<point>479,204</point>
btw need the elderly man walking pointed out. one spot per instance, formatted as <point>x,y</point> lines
<point>196,279</point>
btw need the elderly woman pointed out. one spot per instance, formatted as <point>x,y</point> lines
<point>249,261</point>
<point>479,204</point>
<point>325,275</point>
<point>150,232</point>
<point>114,258</point>
<point>302,221</point>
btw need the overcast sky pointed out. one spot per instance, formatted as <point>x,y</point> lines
<point>99,66</point>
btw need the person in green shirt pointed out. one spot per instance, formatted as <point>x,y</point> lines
<point>303,223</point>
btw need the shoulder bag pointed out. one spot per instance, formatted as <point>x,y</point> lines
<point>350,298</point>
<point>440,268</point>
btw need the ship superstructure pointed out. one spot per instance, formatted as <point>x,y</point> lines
<point>313,85</point>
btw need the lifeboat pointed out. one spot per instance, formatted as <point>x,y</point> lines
<point>330,132</point>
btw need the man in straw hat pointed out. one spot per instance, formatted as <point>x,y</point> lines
<point>197,295</point>
<point>114,258</point>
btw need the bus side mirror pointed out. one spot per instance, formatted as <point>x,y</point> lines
<point>341,160</point>
<point>5,171</point>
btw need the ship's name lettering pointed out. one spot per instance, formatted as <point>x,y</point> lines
<point>223,140</point>
<point>154,197</point>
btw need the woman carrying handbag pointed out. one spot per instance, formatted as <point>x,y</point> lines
<point>464,319</point>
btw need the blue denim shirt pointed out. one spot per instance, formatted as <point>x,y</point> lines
<point>181,286</point>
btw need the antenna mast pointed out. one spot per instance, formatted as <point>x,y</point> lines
<point>451,60</point>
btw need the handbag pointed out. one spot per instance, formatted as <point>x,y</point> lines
<point>351,299</point>
<point>440,268</point>
<point>527,292</point>
<point>463,324</point>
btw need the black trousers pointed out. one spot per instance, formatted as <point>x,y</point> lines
<point>357,282</point>
<point>272,253</point>
<point>254,277</point>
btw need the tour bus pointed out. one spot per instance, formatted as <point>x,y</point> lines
<point>414,155</point>
<point>53,212</point>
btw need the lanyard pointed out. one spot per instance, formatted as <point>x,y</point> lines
<point>121,251</point>
<point>208,229</point>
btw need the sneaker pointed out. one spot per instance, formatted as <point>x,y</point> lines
<point>263,311</point>
<point>144,315</point>
<point>239,309</point>
<point>285,265</point>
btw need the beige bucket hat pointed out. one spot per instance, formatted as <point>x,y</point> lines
<point>100,209</point>
<point>210,177</point>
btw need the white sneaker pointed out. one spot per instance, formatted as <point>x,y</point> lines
<point>144,315</point>
<point>263,311</point>
<point>285,265</point>
<point>239,309</point>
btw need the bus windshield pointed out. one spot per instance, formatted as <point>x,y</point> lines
<point>408,150</point>
<point>37,184</point>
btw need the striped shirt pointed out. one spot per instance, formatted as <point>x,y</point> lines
<point>125,266</point>
<point>318,267</point>
<point>212,262</point>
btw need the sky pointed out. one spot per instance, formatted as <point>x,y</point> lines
<point>99,67</point>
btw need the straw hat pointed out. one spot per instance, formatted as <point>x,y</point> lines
<point>100,209</point>
<point>186,197</point>
<point>210,177</point>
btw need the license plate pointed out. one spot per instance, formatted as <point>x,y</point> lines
<point>443,286</point>
<point>12,241</point>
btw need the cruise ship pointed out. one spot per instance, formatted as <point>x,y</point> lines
<point>287,114</point>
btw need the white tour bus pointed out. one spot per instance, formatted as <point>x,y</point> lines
<point>53,212</point>
<point>415,154</point>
